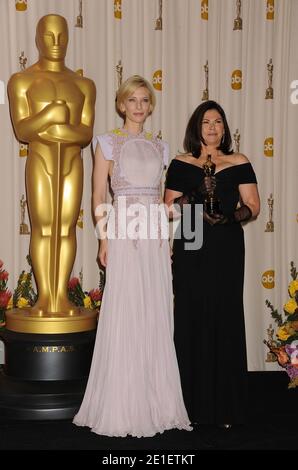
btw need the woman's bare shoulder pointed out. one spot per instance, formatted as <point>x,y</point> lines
<point>240,158</point>
<point>184,157</point>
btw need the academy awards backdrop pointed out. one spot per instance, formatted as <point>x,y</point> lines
<point>241,53</point>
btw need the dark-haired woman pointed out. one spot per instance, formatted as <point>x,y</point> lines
<point>208,282</point>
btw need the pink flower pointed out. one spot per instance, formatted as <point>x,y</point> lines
<point>95,295</point>
<point>74,281</point>
<point>4,298</point>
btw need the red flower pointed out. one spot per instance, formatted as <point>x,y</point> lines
<point>3,275</point>
<point>1,263</point>
<point>4,298</point>
<point>95,295</point>
<point>74,281</point>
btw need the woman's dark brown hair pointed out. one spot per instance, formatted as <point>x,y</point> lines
<point>193,134</point>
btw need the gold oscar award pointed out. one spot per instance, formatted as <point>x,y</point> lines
<point>271,343</point>
<point>270,223</point>
<point>24,230</point>
<point>158,21</point>
<point>22,60</point>
<point>205,96</point>
<point>211,202</point>
<point>236,137</point>
<point>79,23</point>
<point>52,109</point>
<point>23,148</point>
<point>119,70</point>
<point>238,19</point>
<point>269,90</point>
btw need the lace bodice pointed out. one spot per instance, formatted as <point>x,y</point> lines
<point>138,161</point>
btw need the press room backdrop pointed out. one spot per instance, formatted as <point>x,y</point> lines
<point>240,53</point>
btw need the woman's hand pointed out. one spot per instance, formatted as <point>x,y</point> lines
<point>215,219</point>
<point>103,252</point>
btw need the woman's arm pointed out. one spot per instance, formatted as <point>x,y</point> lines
<point>99,182</point>
<point>170,197</point>
<point>250,197</point>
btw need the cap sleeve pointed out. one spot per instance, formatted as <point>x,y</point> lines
<point>106,145</point>
<point>246,174</point>
<point>166,153</point>
<point>176,179</point>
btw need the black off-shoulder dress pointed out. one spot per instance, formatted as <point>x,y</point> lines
<point>209,317</point>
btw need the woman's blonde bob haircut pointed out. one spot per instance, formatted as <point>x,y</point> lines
<point>128,87</point>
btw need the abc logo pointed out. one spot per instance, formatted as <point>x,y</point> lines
<point>157,80</point>
<point>268,279</point>
<point>270,10</point>
<point>236,80</point>
<point>118,9</point>
<point>80,72</point>
<point>21,5</point>
<point>204,9</point>
<point>268,147</point>
<point>23,150</point>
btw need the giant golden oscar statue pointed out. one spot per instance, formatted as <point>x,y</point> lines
<point>52,109</point>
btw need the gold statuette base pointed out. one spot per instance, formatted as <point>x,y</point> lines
<point>24,321</point>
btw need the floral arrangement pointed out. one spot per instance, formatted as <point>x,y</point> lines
<point>286,346</point>
<point>5,294</point>
<point>91,299</point>
<point>24,295</point>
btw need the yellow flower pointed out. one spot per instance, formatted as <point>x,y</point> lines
<point>283,333</point>
<point>87,302</point>
<point>290,306</point>
<point>22,302</point>
<point>24,277</point>
<point>10,303</point>
<point>293,287</point>
<point>118,132</point>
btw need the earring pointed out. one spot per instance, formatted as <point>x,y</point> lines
<point>222,139</point>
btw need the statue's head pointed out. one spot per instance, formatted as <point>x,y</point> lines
<point>52,37</point>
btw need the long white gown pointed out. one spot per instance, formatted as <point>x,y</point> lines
<point>134,383</point>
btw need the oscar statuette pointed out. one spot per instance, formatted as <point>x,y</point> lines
<point>211,202</point>
<point>79,23</point>
<point>270,223</point>
<point>205,95</point>
<point>271,343</point>
<point>24,230</point>
<point>158,21</point>
<point>49,345</point>
<point>269,90</point>
<point>238,19</point>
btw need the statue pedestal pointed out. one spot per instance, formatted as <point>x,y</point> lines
<point>25,320</point>
<point>44,375</point>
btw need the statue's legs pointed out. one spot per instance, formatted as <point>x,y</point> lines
<point>54,203</point>
<point>72,187</point>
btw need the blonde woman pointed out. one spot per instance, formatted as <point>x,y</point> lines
<point>134,384</point>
